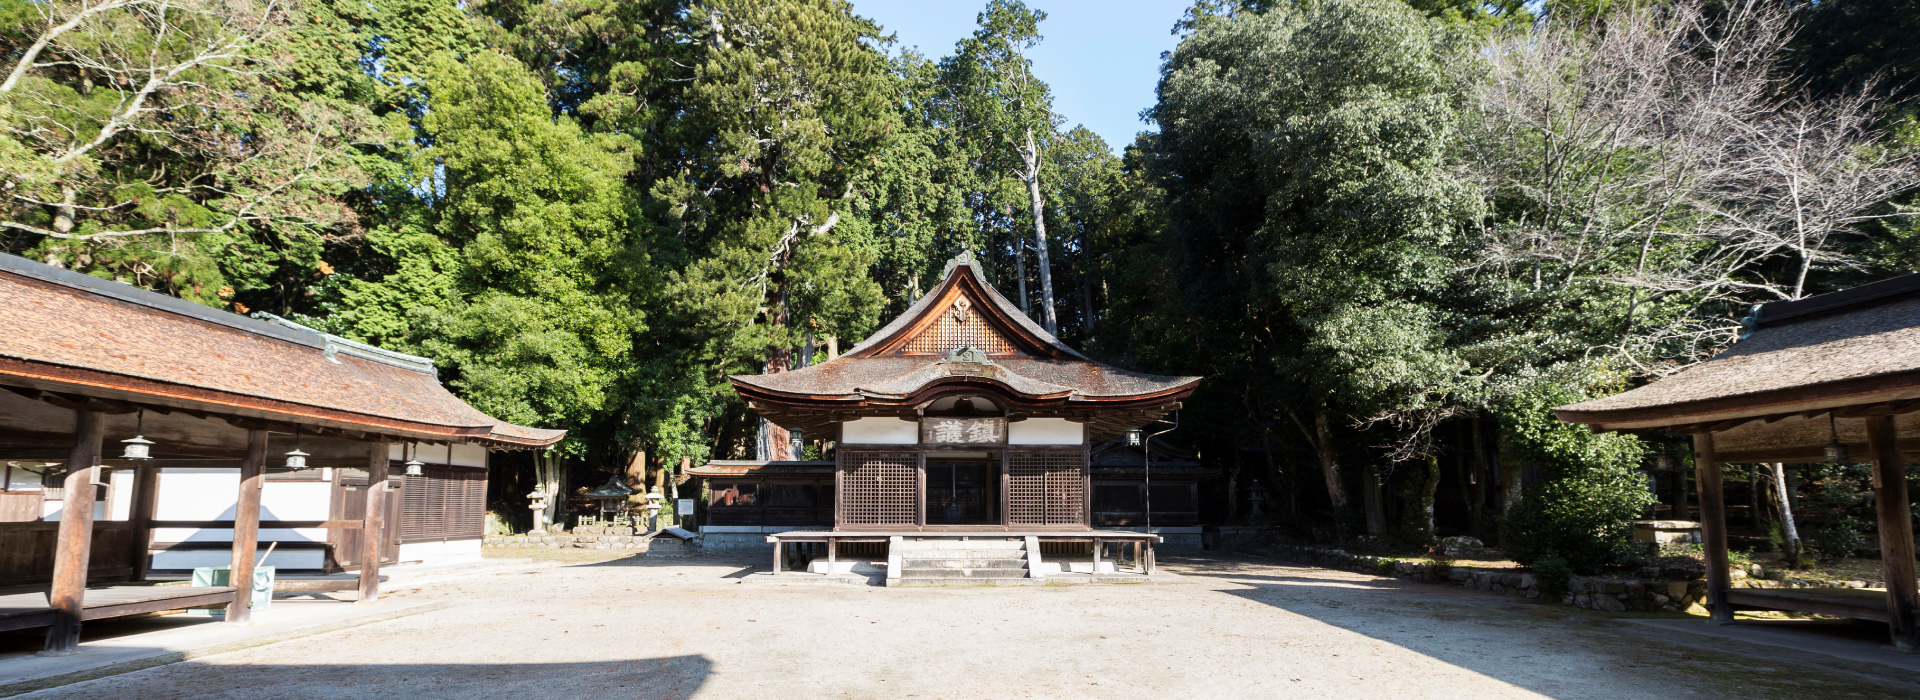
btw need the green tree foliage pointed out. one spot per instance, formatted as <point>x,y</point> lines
<point>1590,486</point>
<point>181,145</point>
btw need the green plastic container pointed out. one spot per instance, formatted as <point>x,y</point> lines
<point>222,575</point>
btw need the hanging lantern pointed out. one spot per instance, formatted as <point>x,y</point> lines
<point>1133,438</point>
<point>138,446</point>
<point>1665,463</point>
<point>1835,452</point>
<point>414,466</point>
<point>296,460</point>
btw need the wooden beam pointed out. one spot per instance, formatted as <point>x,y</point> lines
<point>374,531</point>
<point>1713,528</point>
<point>72,556</point>
<point>146,495</point>
<point>246,527</point>
<point>1896,530</point>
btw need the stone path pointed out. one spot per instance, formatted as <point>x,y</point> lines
<point>675,628</point>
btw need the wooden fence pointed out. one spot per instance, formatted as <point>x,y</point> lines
<point>26,552</point>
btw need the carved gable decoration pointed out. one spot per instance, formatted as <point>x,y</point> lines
<point>955,325</point>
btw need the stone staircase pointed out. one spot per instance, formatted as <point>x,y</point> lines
<point>950,561</point>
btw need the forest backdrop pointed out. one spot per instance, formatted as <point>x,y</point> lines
<point>1390,233</point>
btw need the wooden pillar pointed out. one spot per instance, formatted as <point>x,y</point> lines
<point>1896,530</point>
<point>146,497</point>
<point>1006,489</point>
<point>374,530</point>
<point>777,545</point>
<point>1713,527</point>
<point>920,490</point>
<point>73,553</point>
<point>246,527</point>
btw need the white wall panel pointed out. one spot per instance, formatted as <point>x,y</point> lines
<point>880,431</point>
<point>1046,431</point>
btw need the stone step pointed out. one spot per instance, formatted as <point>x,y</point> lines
<point>973,543</point>
<point>962,582</point>
<point>963,573</point>
<point>914,564</point>
<point>964,554</point>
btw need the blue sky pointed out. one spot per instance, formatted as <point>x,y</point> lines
<point>1101,58</point>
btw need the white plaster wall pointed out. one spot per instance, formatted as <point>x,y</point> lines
<point>281,559</point>
<point>440,552</point>
<point>463,455</point>
<point>211,494</point>
<point>880,431</point>
<point>1046,431</point>
<point>267,534</point>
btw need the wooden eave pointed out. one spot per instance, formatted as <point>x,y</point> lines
<point>1861,393</point>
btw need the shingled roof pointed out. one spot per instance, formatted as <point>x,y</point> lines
<point>962,333</point>
<point>67,332</point>
<point>1854,347</point>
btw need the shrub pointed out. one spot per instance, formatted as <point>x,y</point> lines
<point>1581,514</point>
<point>1551,575</point>
<point>1385,566</point>
<point>1841,508</point>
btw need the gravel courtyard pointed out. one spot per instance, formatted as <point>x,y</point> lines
<point>635,628</point>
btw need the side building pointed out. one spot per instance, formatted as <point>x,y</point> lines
<point>141,433</point>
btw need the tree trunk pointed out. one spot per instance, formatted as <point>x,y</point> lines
<point>1510,482</point>
<point>1477,502</point>
<point>1371,498</point>
<point>1789,532</point>
<point>1032,155</point>
<point>1020,273</point>
<point>1233,484</point>
<point>1429,494</point>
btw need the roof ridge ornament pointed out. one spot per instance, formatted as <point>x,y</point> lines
<point>964,258</point>
<point>966,354</point>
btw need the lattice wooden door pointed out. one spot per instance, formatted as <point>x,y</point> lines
<point>878,488</point>
<point>1046,488</point>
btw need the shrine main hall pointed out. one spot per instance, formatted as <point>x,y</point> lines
<point>961,437</point>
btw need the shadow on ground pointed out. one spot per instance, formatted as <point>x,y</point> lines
<point>664,678</point>
<point>1563,647</point>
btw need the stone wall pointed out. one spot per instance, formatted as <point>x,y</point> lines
<point>1589,592</point>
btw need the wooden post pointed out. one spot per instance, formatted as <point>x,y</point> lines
<point>920,490</point>
<point>146,496</point>
<point>833,552</point>
<point>1713,527</point>
<point>777,545</point>
<point>72,555</point>
<point>1096,555</point>
<point>374,531</point>
<point>1896,530</point>
<point>246,528</point>
<point>1006,490</point>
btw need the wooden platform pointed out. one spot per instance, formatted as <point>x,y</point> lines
<point>1851,603</point>
<point>30,609</point>
<point>882,535</point>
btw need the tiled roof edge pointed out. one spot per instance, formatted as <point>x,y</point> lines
<point>333,344</point>
<point>155,300</point>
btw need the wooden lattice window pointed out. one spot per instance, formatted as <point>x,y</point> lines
<point>878,488</point>
<point>957,325</point>
<point>444,504</point>
<point>1046,488</point>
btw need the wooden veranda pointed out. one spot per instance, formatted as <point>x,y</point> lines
<point>1830,378</point>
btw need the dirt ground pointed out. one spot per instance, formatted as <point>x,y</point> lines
<point>638,628</point>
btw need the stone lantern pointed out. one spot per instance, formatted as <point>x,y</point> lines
<point>653,508</point>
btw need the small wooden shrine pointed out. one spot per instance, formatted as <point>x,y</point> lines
<point>962,416</point>
<point>1830,378</point>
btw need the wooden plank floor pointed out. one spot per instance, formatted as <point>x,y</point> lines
<point>30,609</point>
<point>1854,603</point>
